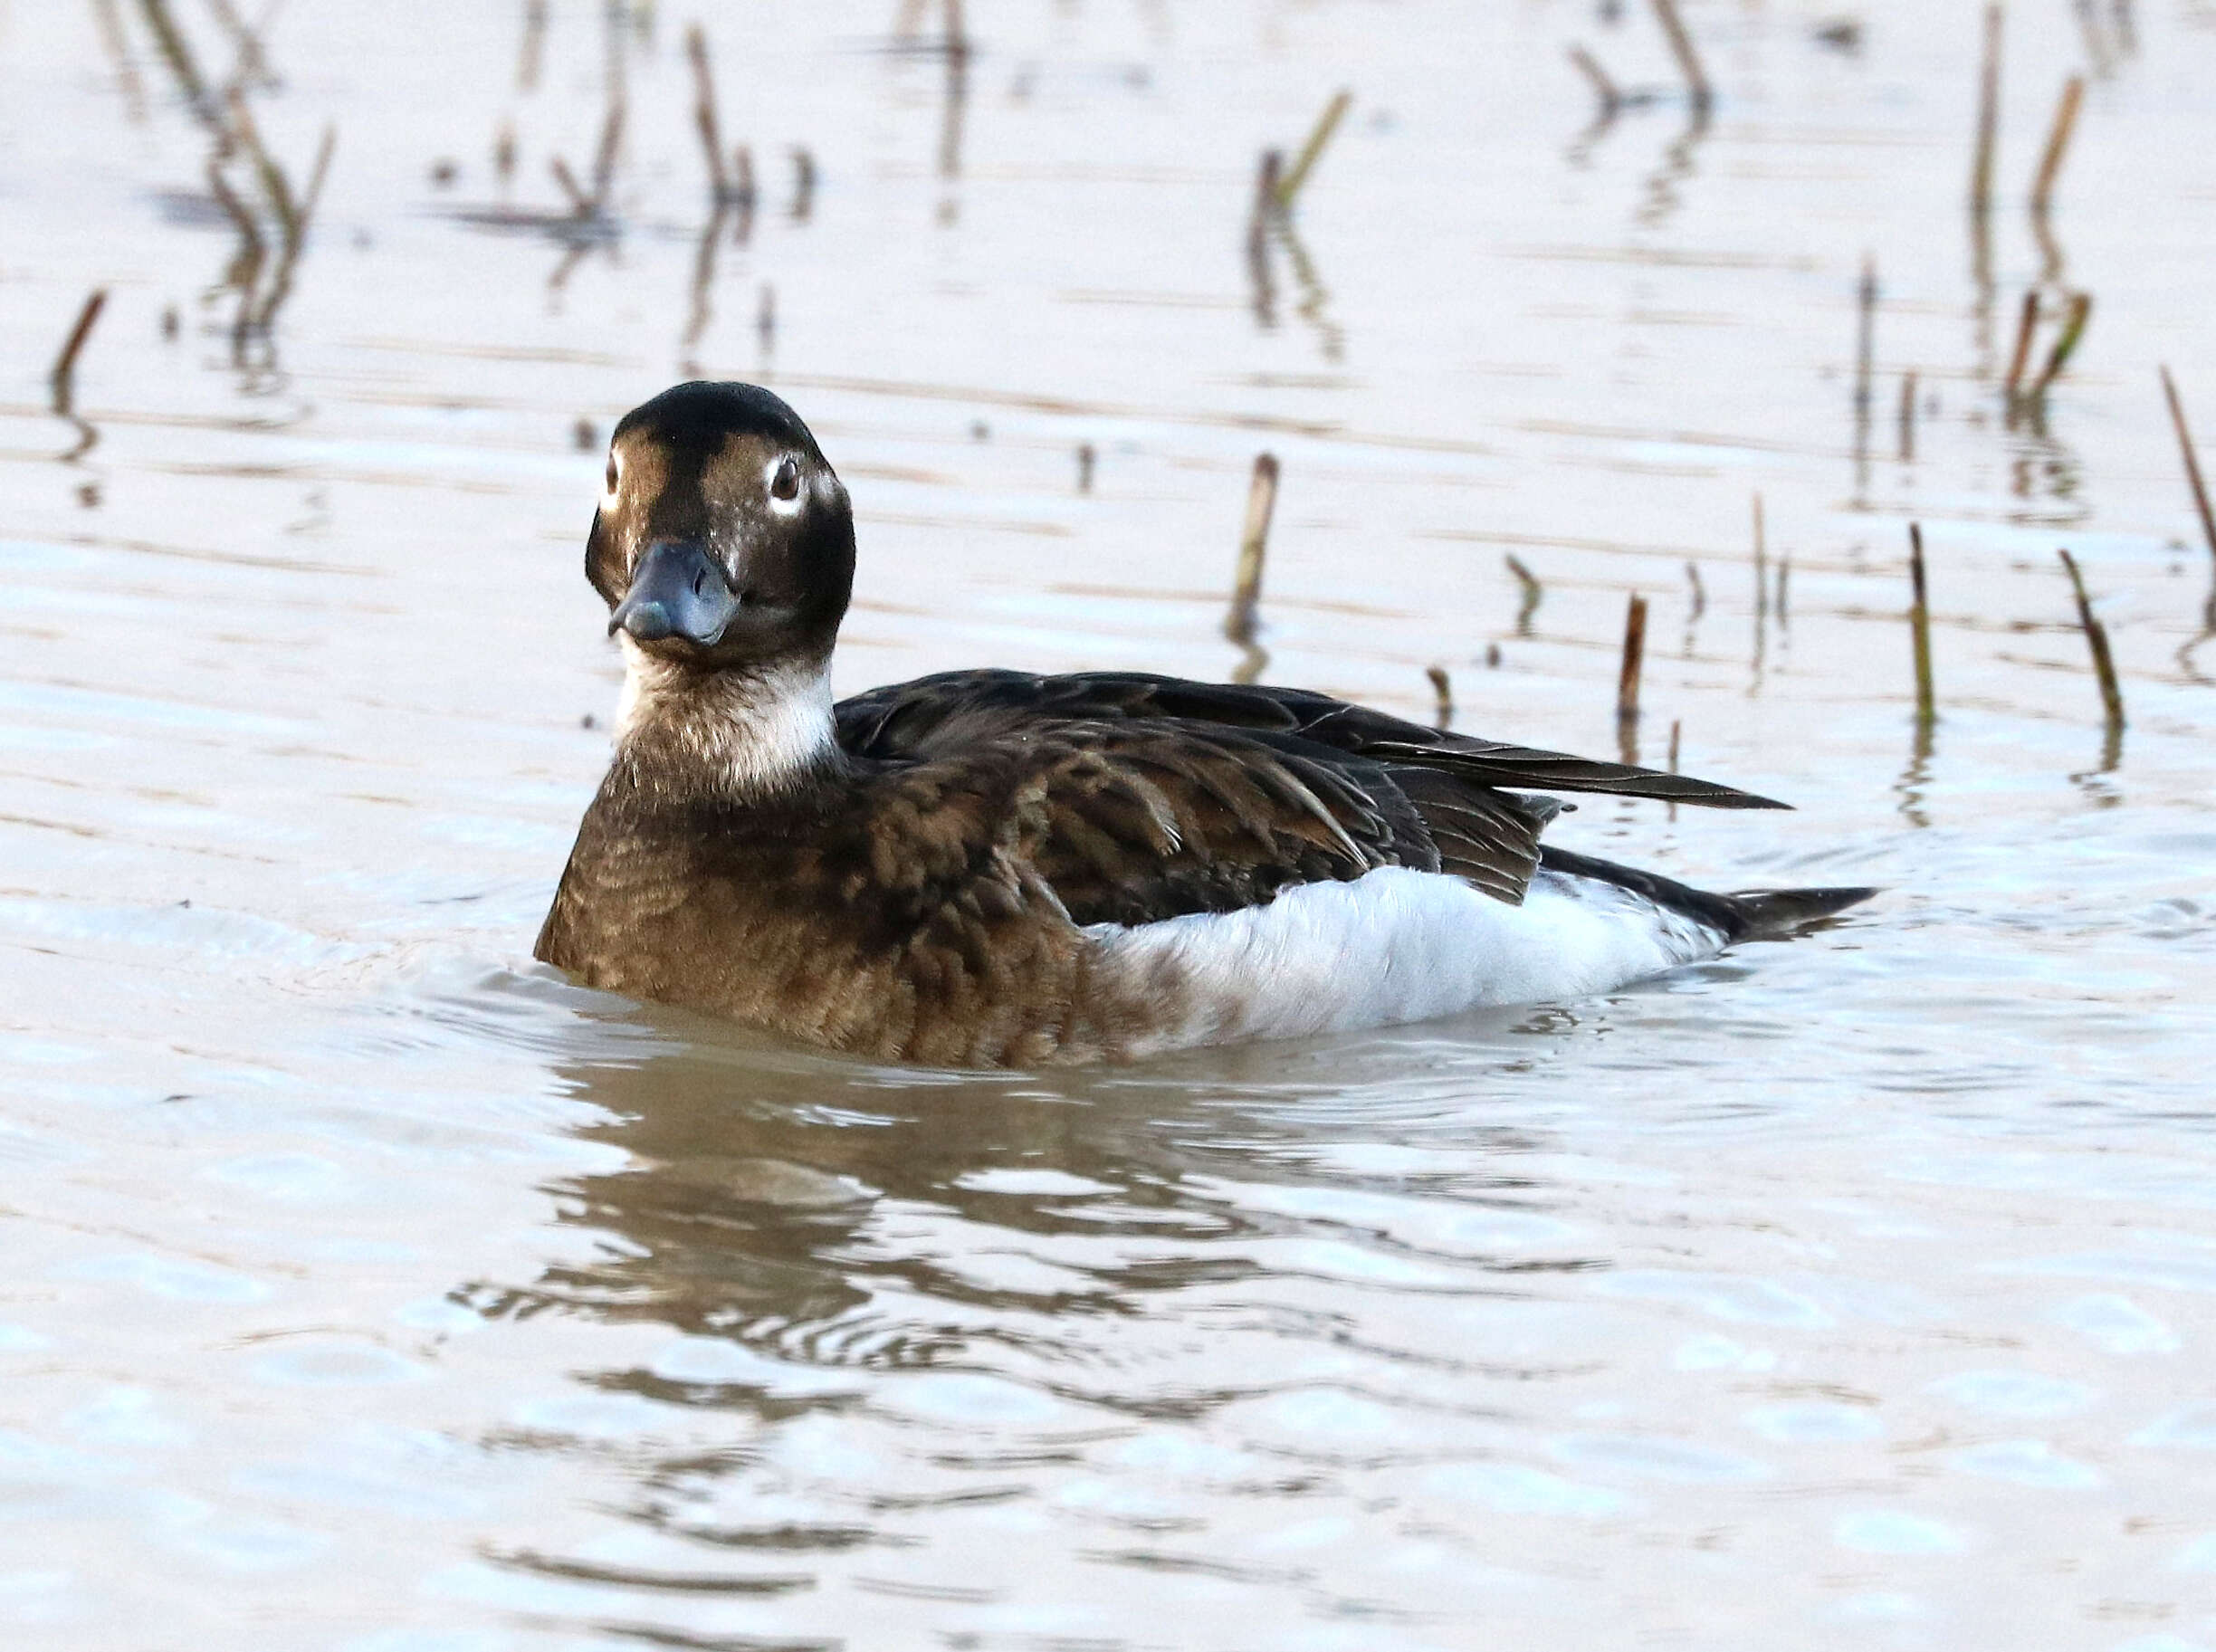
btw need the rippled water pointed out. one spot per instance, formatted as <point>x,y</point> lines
<point>367,1288</point>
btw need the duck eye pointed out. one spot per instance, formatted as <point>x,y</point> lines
<point>611,474</point>
<point>786,483</point>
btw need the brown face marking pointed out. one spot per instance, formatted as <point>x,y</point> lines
<point>731,469</point>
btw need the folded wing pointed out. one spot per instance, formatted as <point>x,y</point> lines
<point>1144,797</point>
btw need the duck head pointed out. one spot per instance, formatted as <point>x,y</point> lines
<point>724,548</point>
<point>723,540</point>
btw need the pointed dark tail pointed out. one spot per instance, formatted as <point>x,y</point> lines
<point>1753,914</point>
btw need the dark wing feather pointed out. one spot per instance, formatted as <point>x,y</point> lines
<point>1164,796</point>
<point>908,719</point>
<point>1129,823</point>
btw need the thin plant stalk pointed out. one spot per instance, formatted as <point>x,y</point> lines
<point>1919,628</point>
<point>63,378</point>
<point>2097,640</point>
<point>2192,462</point>
<point>1254,546</point>
<point>2057,146</point>
<point>2027,322</point>
<point>2074,320</point>
<point>1327,123</point>
<point>1634,660</point>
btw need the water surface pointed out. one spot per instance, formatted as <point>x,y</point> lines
<point>370,1288</point>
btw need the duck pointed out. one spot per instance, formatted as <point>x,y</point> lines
<point>995,868</point>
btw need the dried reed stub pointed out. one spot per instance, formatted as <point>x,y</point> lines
<point>1312,151</point>
<point>1634,661</point>
<point>1254,546</point>
<point>804,185</point>
<point>2057,146</point>
<point>2027,322</point>
<point>2074,319</point>
<point>1532,594</point>
<point>2097,641</point>
<point>1919,628</point>
<point>704,113</point>
<point>1086,461</point>
<point>1442,696</point>
<point>63,378</point>
<point>2192,461</point>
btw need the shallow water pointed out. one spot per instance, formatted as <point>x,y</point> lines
<point>370,1288</point>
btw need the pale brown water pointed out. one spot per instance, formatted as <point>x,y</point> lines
<point>368,1288</point>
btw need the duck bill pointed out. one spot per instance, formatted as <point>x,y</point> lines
<point>677,590</point>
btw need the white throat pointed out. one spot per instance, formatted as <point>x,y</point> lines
<point>754,732</point>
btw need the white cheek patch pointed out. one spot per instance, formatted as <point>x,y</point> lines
<point>781,507</point>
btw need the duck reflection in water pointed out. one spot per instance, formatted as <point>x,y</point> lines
<point>771,1196</point>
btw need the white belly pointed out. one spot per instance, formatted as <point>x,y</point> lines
<point>1395,945</point>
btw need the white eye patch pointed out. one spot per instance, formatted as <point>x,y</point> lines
<point>781,482</point>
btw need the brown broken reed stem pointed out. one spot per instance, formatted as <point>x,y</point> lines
<point>704,112</point>
<point>63,378</point>
<point>1289,187</point>
<point>1253,545</point>
<point>1988,117</point>
<point>1604,89</point>
<point>804,184</point>
<point>246,266</point>
<point>2192,462</point>
<point>2074,320</point>
<point>1919,628</point>
<point>2025,323</point>
<point>1700,593</point>
<point>1698,92</point>
<point>1530,591</point>
<point>2057,146</point>
<point>266,170</point>
<point>170,42</point>
<point>1633,659</point>
<point>1442,694</point>
<point>2097,640</point>
<point>1907,417</point>
<point>294,233</point>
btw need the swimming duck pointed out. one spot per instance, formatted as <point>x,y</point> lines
<point>987,868</point>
